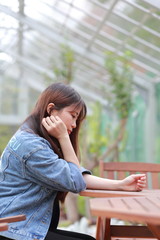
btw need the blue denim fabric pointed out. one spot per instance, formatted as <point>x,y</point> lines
<point>31,174</point>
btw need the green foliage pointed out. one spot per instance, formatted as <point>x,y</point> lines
<point>157,143</point>
<point>9,95</point>
<point>6,133</point>
<point>63,67</point>
<point>120,81</point>
<point>81,205</point>
<point>96,140</point>
<point>103,1</point>
<point>157,149</point>
<point>65,72</point>
<point>64,223</point>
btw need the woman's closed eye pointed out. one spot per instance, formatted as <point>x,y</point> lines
<point>74,116</point>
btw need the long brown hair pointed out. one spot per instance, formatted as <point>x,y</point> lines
<point>62,96</point>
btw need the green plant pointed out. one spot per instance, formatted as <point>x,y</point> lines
<point>94,141</point>
<point>120,80</point>
<point>104,138</point>
<point>6,133</point>
<point>63,68</point>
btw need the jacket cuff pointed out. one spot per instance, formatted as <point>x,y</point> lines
<point>85,171</point>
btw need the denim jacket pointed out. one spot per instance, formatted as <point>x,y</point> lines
<point>31,174</point>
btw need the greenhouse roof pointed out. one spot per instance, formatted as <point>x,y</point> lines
<point>34,34</point>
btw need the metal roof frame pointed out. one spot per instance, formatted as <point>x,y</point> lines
<point>86,40</point>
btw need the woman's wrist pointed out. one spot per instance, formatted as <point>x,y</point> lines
<point>67,149</point>
<point>118,185</point>
<point>64,137</point>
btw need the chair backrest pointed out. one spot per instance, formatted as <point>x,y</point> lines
<point>3,227</point>
<point>119,170</point>
<point>10,219</point>
<point>4,221</point>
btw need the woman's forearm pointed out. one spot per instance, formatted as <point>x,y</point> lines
<point>94,182</point>
<point>68,151</point>
<point>134,182</point>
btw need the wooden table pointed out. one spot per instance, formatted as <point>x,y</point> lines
<point>116,230</point>
<point>141,209</point>
<point>111,193</point>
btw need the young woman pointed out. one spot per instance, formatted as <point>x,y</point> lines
<point>40,165</point>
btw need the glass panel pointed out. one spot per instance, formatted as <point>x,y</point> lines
<point>80,40</point>
<point>153,23</point>
<point>118,33</point>
<point>32,96</point>
<point>146,5</point>
<point>9,96</point>
<point>90,8</point>
<point>123,7</point>
<point>12,4</point>
<point>130,10</point>
<point>146,61</point>
<point>144,48</point>
<point>106,41</point>
<point>149,37</point>
<point>62,7</point>
<point>91,21</point>
<point>121,22</point>
<point>8,29</point>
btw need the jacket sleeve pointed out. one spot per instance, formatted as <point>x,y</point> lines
<point>43,166</point>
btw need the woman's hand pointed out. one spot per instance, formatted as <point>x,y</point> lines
<point>55,127</point>
<point>134,182</point>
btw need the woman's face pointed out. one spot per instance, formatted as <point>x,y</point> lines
<point>69,116</point>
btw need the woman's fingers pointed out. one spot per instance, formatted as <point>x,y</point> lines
<point>44,123</point>
<point>141,183</point>
<point>47,123</point>
<point>49,120</point>
<point>52,118</point>
<point>55,126</point>
<point>57,118</point>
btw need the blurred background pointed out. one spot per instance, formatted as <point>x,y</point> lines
<point>108,50</point>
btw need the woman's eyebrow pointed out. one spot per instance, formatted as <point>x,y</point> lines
<point>75,112</point>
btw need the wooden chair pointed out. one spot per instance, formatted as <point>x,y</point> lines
<point>119,170</point>
<point>4,221</point>
<point>3,227</point>
<point>11,219</point>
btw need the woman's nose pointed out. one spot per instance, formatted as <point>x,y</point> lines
<point>74,124</point>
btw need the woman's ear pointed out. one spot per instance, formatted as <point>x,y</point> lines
<point>50,108</point>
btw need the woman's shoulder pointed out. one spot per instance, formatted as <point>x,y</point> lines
<point>26,138</point>
<point>24,143</point>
